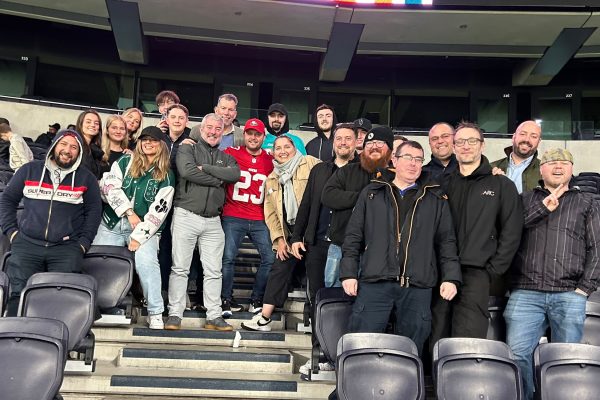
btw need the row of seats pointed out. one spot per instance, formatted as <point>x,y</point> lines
<point>385,366</point>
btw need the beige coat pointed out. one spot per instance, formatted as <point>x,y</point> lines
<point>274,196</point>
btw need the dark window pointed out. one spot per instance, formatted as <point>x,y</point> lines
<point>12,77</point>
<point>422,112</point>
<point>350,106</point>
<point>196,96</point>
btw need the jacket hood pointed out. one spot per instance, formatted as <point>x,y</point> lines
<point>484,168</point>
<point>286,125</point>
<point>319,131</point>
<point>389,174</point>
<point>60,135</point>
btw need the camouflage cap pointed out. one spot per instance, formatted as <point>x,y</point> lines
<point>557,154</point>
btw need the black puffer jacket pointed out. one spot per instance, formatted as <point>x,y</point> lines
<point>428,252</point>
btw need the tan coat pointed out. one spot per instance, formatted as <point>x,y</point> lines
<point>274,196</point>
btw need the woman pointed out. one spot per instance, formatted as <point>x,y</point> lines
<point>18,152</point>
<point>284,190</point>
<point>139,192</point>
<point>114,139</point>
<point>134,119</point>
<point>88,126</point>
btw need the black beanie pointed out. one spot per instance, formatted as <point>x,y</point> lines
<point>383,133</point>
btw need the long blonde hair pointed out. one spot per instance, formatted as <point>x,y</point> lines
<point>106,139</point>
<point>140,164</point>
<point>135,134</point>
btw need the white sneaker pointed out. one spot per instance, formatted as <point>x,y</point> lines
<point>305,369</point>
<point>156,321</point>
<point>257,323</point>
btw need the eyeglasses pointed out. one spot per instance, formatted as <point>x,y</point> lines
<point>472,141</point>
<point>374,143</point>
<point>435,139</point>
<point>409,158</point>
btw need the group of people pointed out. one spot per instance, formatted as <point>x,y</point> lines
<point>355,206</point>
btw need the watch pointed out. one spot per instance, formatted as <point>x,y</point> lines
<point>129,212</point>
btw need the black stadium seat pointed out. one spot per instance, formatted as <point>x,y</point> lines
<point>591,327</point>
<point>113,268</point>
<point>469,368</point>
<point>70,298</point>
<point>3,291</point>
<point>497,325</point>
<point>378,365</point>
<point>33,355</point>
<point>332,311</point>
<point>567,371</point>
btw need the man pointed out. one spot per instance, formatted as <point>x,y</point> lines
<point>199,198</point>
<point>405,228</point>
<point>14,151</point>
<point>164,100</point>
<point>243,215</point>
<point>321,147</point>
<point>557,266</point>
<point>45,139</point>
<point>226,108</point>
<point>521,164</point>
<point>443,161</point>
<point>488,219</point>
<point>278,124</point>
<point>62,203</point>
<point>342,189</point>
<point>362,126</point>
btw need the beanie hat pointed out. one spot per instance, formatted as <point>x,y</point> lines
<point>382,133</point>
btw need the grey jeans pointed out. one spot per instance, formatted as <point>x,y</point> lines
<point>188,229</point>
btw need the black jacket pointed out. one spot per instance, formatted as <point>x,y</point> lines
<point>436,169</point>
<point>340,194</point>
<point>321,146</point>
<point>310,207</point>
<point>560,250</point>
<point>488,216</point>
<point>426,252</point>
<point>92,160</point>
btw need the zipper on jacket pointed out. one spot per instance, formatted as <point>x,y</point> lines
<point>49,214</point>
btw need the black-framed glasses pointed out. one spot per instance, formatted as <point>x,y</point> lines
<point>472,141</point>
<point>375,143</point>
<point>409,158</point>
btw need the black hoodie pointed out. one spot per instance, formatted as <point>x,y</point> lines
<point>321,147</point>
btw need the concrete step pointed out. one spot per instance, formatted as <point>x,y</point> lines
<point>197,320</point>
<point>206,358</point>
<point>138,382</point>
<point>119,336</point>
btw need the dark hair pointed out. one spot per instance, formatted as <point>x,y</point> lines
<point>4,121</point>
<point>324,107</point>
<point>468,124</point>
<point>285,137</point>
<point>409,143</point>
<point>400,137</point>
<point>345,125</point>
<point>79,126</point>
<point>4,127</point>
<point>167,94</point>
<point>179,106</point>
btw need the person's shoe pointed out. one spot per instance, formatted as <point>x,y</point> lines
<point>173,323</point>
<point>255,306</point>
<point>156,321</point>
<point>199,308</point>
<point>257,323</point>
<point>230,306</point>
<point>305,369</point>
<point>218,324</point>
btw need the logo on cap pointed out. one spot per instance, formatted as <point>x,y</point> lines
<point>360,122</point>
<point>370,135</point>
<point>254,123</point>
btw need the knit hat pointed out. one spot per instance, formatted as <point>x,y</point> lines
<point>255,124</point>
<point>382,133</point>
<point>557,154</point>
<point>363,123</point>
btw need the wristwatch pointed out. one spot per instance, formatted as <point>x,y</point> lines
<point>129,212</point>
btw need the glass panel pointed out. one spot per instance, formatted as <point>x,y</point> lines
<point>555,116</point>
<point>590,115</point>
<point>422,112</point>
<point>296,102</point>
<point>492,115</point>
<point>244,95</point>
<point>12,78</point>
<point>197,97</point>
<point>351,106</point>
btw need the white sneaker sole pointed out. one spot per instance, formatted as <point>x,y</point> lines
<point>257,328</point>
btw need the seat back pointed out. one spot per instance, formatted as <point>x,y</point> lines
<point>378,365</point>
<point>34,352</point>
<point>113,268</point>
<point>67,297</point>
<point>3,291</point>
<point>332,312</point>
<point>497,325</point>
<point>468,368</point>
<point>591,326</point>
<point>567,371</point>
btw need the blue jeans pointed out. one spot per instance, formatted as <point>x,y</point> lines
<point>332,267</point>
<point>146,261</point>
<point>529,313</point>
<point>235,229</point>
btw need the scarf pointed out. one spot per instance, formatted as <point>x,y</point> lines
<point>286,172</point>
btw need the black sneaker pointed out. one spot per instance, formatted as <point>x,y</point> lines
<point>256,306</point>
<point>230,306</point>
<point>173,323</point>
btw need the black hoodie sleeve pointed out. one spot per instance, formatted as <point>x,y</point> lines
<point>354,240</point>
<point>334,194</point>
<point>304,209</point>
<point>9,201</point>
<point>445,242</point>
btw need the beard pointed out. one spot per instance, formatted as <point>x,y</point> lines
<point>518,152</point>
<point>61,164</point>
<point>371,166</point>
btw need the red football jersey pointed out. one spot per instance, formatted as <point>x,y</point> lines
<point>244,199</point>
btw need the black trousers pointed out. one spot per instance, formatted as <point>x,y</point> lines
<point>27,259</point>
<point>467,314</point>
<point>316,258</point>
<point>279,280</point>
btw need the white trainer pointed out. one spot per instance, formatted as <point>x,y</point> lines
<point>156,321</point>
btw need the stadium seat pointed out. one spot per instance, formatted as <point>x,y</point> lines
<point>567,371</point>
<point>497,326</point>
<point>378,365</point>
<point>34,351</point>
<point>469,368</point>
<point>70,298</point>
<point>3,291</point>
<point>591,327</point>
<point>113,268</point>
<point>332,311</point>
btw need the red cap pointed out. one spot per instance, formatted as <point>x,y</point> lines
<point>256,124</point>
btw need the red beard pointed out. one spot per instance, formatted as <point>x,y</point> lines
<point>371,166</point>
